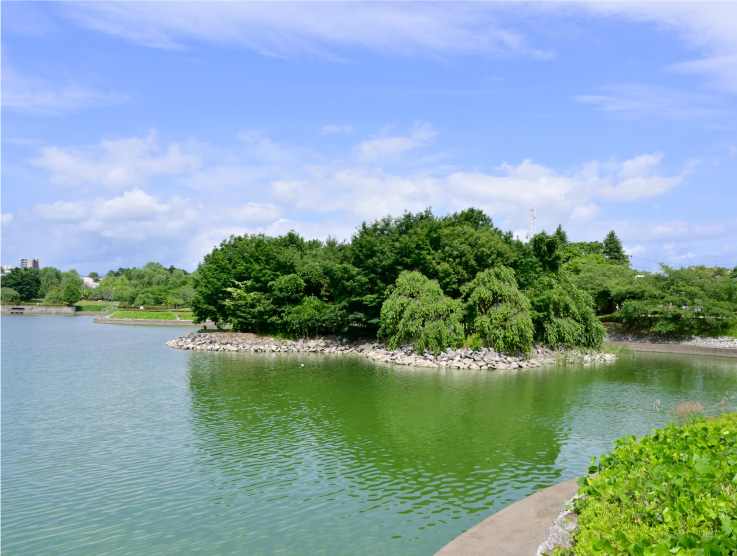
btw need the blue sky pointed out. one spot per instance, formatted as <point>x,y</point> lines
<point>141,131</point>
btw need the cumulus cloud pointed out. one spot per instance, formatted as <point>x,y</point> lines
<point>116,163</point>
<point>6,218</point>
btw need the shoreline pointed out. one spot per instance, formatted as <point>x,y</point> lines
<point>682,349</point>
<point>482,359</point>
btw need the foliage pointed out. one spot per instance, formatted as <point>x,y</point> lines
<point>9,296</point>
<point>50,279</point>
<point>25,281</point>
<point>547,250</point>
<point>693,300</point>
<point>563,315</point>
<point>71,293</point>
<point>418,312</point>
<point>672,492</point>
<point>613,249</point>
<point>313,316</point>
<point>54,296</point>
<point>498,312</point>
<point>147,315</point>
<point>608,284</point>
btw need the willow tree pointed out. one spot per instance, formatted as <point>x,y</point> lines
<point>498,312</point>
<point>417,312</point>
<point>563,315</point>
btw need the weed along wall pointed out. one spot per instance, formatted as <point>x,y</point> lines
<point>38,310</point>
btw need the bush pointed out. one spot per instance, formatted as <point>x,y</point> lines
<point>672,492</point>
<point>418,313</point>
<point>313,316</point>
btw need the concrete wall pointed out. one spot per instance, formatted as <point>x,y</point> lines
<point>37,310</point>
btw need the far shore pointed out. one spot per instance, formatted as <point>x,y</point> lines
<point>684,349</point>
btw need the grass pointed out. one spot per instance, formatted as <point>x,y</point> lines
<point>149,315</point>
<point>672,492</point>
<point>92,305</point>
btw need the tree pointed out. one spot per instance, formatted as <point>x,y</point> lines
<point>50,279</point>
<point>563,315</point>
<point>498,312</point>
<point>418,312</point>
<point>9,296</point>
<point>25,281</point>
<point>71,293</point>
<point>562,237</point>
<point>613,249</point>
<point>547,250</point>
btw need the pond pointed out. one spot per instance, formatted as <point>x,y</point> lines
<point>115,444</point>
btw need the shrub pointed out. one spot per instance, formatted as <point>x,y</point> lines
<point>672,492</point>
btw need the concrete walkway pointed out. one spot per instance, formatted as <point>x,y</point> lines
<point>517,530</point>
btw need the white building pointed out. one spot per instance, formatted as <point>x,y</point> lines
<point>30,263</point>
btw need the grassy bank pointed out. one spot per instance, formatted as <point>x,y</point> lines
<point>672,492</point>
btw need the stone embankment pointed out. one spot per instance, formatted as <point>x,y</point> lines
<point>724,346</point>
<point>455,359</point>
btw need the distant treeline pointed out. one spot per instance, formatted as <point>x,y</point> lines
<point>153,284</point>
<point>450,281</point>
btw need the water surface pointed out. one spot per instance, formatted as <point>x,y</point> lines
<point>115,444</point>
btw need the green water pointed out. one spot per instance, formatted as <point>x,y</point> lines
<point>113,443</point>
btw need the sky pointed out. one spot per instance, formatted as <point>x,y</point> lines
<point>152,131</point>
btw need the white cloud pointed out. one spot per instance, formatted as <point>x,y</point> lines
<point>297,30</point>
<point>132,206</point>
<point>6,218</point>
<point>336,129</point>
<point>115,164</point>
<point>388,147</point>
<point>30,95</point>
<point>61,211</point>
<point>707,27</point>
<point>651,101</point>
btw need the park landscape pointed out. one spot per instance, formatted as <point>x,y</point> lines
<point>421,261</point>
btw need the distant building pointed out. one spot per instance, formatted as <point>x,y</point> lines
<point>6,269</point>
<point>30,263</point>
<point>89,282</point>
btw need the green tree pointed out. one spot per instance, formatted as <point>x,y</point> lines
<point>9,296</point>
<point>50,279</point>
<point>71,293</point>
<point>547,249</point>
<point>418,312</point>
<point>25,281</point>
<point>561,236</point>
<point>498,312</point>
<point>613,249</point>
<point>563,315</point>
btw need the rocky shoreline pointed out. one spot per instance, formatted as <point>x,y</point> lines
<point>721,342</point>
<point>481,359</point>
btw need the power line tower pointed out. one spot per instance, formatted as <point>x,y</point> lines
<point>533,217</point>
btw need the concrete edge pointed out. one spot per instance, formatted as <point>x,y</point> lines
<point>517,530</point>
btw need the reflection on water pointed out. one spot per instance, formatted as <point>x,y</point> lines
<point>115,444</point>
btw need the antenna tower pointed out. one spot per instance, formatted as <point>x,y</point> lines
<point>533,217</point>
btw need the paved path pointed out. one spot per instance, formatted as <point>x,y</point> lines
<point>517,530</point>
